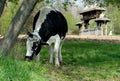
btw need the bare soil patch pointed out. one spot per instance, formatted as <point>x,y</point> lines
<point>113,39</point>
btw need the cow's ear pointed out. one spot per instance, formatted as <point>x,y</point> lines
<point>44,43</point>
<point>30,34</point>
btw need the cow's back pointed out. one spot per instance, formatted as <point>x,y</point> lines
<point>50,23</point>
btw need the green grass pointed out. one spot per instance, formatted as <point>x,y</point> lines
<point>15,70</point>
<point>82,61</point>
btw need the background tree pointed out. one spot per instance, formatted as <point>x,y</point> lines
<point>16,25</point>
<point>92,2</point>
<point>113,2</point>
<point>102,2</point>
<point>2,4</point>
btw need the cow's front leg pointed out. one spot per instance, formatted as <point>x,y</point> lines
<point>38,58</point>
<point>56,59</point>
<point>51,54</point>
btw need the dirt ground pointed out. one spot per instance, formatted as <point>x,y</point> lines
<point>113,39</point>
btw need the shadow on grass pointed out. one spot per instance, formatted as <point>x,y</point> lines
<point>80,52</point>
<point>92,60</point>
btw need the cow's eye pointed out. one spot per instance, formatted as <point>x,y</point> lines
<point>35,45</point>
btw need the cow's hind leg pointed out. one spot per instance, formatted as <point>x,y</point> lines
<point>60,54</point>
<point>56,50</point>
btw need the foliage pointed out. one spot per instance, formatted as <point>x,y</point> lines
<point>113,2</point>
<point>14,1</point>
<point>102,2</point>
<point>71,20</point>
<point>40,0</point>
<point>115,18</point>
<point>91,2</point>
<point>82,61</point>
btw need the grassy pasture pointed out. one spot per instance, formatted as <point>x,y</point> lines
<point>82,61</point>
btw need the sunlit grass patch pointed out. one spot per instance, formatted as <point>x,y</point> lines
<point>14,70</point>
<point>82,61</point>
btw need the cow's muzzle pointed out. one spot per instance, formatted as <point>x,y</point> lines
<point>28,58</point>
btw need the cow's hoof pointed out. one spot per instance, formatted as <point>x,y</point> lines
<point>57,65</point>
<point>51,61</point>
<point>27,58</point>
<point>60,62</point>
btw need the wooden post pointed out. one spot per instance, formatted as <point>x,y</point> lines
<point>106,29</point>
<point>83,28</point>
<point>101,30</point>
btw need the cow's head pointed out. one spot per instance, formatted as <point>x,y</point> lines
<point>33,45</point>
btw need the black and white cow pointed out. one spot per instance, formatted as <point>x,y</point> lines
<point>49,28</point>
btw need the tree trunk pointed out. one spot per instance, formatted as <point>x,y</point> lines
<point>16,25</point>
<point>2,5</point>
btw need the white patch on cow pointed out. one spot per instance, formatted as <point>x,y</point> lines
<point>36,36</point>
<point>29,45</point>
<point>53,39</point>
<point>43,13</point>
<point>30,41</point>
<point>57,49</point>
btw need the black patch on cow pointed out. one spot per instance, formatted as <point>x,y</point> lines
<point>44,43</point>
<point>35,45</point>
<point>30,35</point>
<point>35,19</point>
<point>36,48</point>
<point>55,23</point>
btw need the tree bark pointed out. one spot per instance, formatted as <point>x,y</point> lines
<point>16,25</point>
<point>2,5</point>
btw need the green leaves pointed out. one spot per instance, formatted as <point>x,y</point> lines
<point>14,1</point>
<point>113,2</point>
